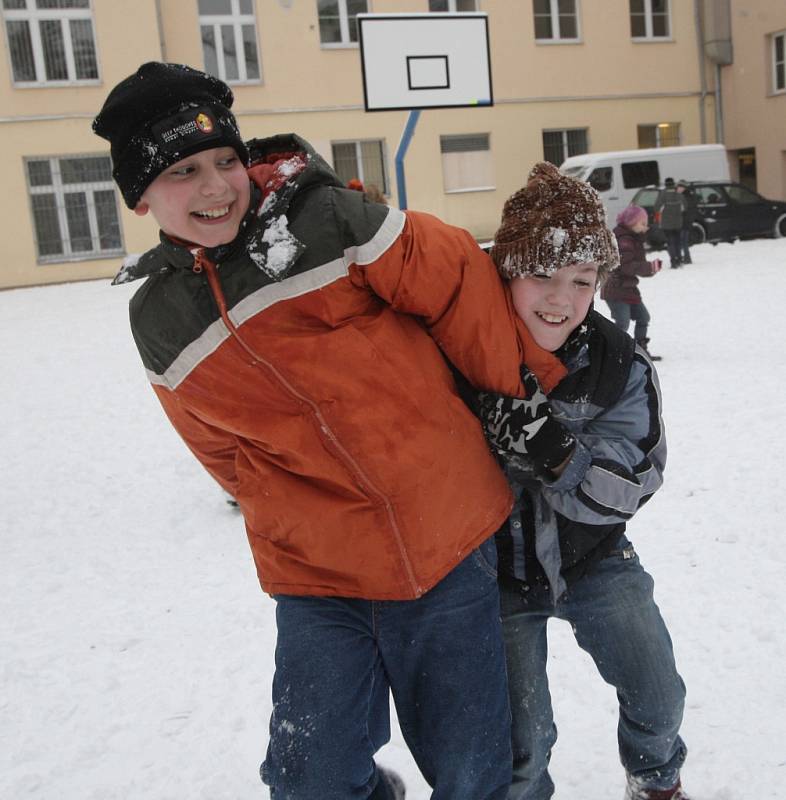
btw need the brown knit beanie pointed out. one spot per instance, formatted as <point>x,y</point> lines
<point>552,222</point>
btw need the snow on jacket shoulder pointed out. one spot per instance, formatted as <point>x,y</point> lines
<point>332,418</point>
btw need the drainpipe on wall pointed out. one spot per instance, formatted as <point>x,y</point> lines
<point>699,25</point>
<point>160,24</point>
<point>718,106</point>
<point>718,49</point>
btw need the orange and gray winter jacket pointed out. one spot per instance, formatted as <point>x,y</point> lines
<point>302,365</point>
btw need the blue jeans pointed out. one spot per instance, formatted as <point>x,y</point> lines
<point>441,656</point>
<point>623,313</point>
<point>616,621</point>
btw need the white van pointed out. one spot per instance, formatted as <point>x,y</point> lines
<point>617,176</point>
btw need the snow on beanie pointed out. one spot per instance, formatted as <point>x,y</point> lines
<point>552,222</point>
<point>630,215</point>
<point>158,116</point>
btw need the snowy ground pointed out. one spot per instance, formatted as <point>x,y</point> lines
<point>135,644</point>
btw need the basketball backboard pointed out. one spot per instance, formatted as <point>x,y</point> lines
<point>416,61</point>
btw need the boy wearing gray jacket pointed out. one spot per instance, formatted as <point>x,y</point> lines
<point>581,462</point>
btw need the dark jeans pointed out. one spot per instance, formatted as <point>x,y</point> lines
<point>623,313</point>
<point>442,658</point>
<point>685,246</point>
<point>673,247</point>
<point>616,621</point>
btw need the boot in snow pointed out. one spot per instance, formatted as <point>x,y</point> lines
<point>389,786</point>
<point>636,791</point>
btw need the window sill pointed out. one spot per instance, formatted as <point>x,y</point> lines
<point>651,39</point>
<point>74,258</point>
<point>550,42</point>
<point>473,189</point>
<point>55,84</point>
<point>338,45</point>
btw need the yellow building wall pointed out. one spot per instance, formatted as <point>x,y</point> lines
<point>754,115</point>
<point>605,83</point>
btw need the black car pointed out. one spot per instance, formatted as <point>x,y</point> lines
<point>724,211</point>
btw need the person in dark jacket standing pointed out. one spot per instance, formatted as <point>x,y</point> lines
<point>582,460</point>
<point>669,213</point>
<point>294,334</point>
<point>690,215</point>
<point>621,290</point>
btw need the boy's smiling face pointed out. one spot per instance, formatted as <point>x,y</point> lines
<point>201,199</point>
<point>553,305</point>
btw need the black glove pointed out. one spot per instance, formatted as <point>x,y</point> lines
<point>516,427</point>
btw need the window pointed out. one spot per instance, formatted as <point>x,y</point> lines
<point>50,41</point>
<point>640,173</point>
<point>559,145</point>
<point>338,24</point>
<point>556,20</point>
<point>779,62</point>
<point>709,195</point>
<point>74,207</point>
<point>650,19</point>
<point>601,179</point>
<point>466,162</point>
<point>452,6</point>
<point>229,39</point>
<point>664,134</point>
<point>739,194</point>
<point>364,160</point>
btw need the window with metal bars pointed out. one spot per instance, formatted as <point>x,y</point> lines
<point>556,20</point>
<point>74,207</point>
<point>560,144</point>
<point>338,25</point>
<point>229,40</point>
<point>364,160</point>
<point>50,41</point>
<point>650,19</point>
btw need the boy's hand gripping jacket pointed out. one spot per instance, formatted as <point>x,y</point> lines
<point>517,427</point>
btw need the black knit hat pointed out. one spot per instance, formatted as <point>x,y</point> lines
<point>551,222</point>
<point>158,116</point>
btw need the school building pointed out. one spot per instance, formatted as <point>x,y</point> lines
<point>569,76</point>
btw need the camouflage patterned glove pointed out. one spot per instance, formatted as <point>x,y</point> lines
<point>516,427</point>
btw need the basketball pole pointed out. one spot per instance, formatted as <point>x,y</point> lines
<point>403,145</point>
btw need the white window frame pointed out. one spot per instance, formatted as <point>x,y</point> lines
<point>343,21</point>
<point>60,189</point>
<point>648,35</point>
<point>464,189</point>
<point>452,8</point>
<point>237,19</point>
<point>775,63</point>
<point>385,188</point>
<point>34,16</point>
<point>558,38</point>
<point>564,137</point>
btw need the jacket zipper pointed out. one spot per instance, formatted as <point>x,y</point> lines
<point>201,263</point>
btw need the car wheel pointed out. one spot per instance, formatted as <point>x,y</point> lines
<point>779,229</point>
<point>697,234</point>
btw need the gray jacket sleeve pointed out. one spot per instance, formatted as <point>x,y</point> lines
<point>619,458</point>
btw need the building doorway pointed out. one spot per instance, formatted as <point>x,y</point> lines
<point>746,167</point>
